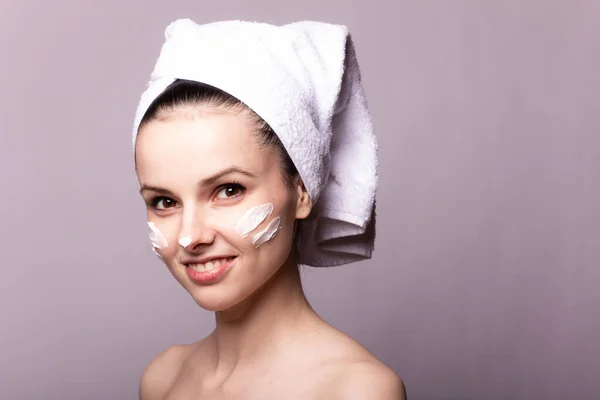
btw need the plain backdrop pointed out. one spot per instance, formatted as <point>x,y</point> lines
<point>485,279</point>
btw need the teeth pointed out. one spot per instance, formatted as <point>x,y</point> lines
<point>209,266</point>
<point>198,267</point>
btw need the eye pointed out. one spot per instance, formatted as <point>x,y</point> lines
<point>162,203</point>
<point>230,191</point>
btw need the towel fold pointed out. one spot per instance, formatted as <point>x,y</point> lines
<point>304,80</point>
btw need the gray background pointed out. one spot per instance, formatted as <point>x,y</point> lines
<point>484,282</point>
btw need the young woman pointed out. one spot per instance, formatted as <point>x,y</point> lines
<point>225,205</point>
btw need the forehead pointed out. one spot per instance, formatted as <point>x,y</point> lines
<point>204,144</point>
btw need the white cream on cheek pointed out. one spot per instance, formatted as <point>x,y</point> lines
<point>268,233</point>
<point>156,237</point>
<point>253,218</point>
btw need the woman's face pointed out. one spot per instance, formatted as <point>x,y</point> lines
<point>209,186</point>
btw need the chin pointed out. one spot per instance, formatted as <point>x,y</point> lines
<point>216,298</point>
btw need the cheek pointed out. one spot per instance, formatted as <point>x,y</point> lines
<point>271,241</point>
<point>275,238</point>
<point>252,218</point>
<point>248,229</point>
<point>161,238</point>
<point>157,238</point>
<point>259,224</point>
<point>271,244</point>
<point>268,233</point>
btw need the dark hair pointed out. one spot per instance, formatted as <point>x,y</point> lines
<point>195,94</point>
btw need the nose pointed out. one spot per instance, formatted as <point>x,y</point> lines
<point>194,231</point>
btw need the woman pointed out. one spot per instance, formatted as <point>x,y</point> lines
<point>228,211</point>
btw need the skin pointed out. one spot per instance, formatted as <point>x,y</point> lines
<point>268,342</point>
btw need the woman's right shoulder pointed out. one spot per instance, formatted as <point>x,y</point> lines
<point>160,374</point>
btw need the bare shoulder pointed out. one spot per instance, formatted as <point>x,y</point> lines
<point>160,373</point>
<point>368,379</point>
<point>357,374</point>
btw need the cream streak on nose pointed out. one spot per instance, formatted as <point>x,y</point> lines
<point>185,241</point>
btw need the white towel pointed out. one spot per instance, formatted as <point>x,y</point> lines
<point>303,79</point>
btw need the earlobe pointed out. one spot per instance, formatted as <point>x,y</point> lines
<point>304,204</point>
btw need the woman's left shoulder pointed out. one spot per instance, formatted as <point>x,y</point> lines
<point>358,374</point>
<point>367,378</point>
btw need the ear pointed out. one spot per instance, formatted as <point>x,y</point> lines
<point>304,203</point>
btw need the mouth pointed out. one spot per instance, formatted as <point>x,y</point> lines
<point>209,265</point>
<point>209,271</point>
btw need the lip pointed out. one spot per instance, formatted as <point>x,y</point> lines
<point>207,277</point>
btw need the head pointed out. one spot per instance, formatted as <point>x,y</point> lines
<point>217,183</point>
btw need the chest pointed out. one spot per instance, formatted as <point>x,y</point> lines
<point>258,385</point>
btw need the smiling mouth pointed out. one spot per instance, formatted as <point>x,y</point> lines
<point>210,265</point>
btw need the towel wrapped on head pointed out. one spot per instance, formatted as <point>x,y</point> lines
<point>303,79</point>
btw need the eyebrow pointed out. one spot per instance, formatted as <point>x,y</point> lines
<point>227,171</point>
<point>206,181</point>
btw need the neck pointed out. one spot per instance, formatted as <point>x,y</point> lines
<point>263,324</point>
